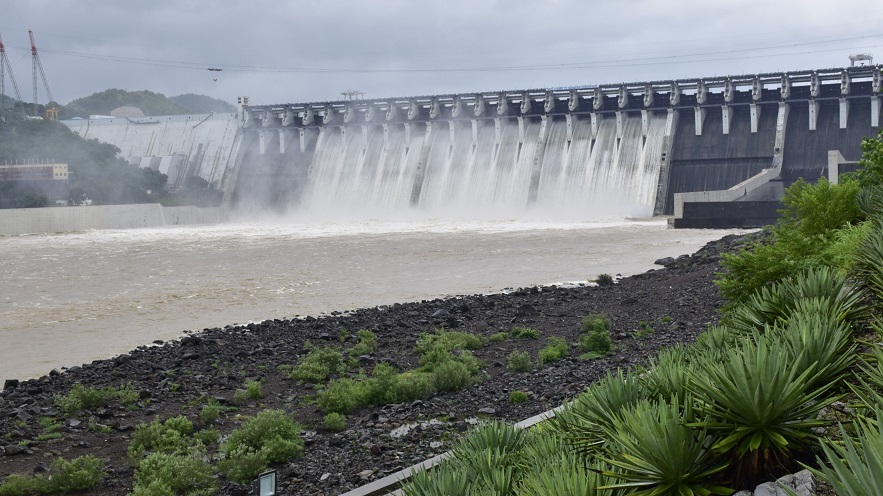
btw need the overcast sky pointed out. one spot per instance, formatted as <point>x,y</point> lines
<point>277,51</point>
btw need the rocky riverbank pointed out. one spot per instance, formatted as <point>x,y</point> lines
<point>677,302</point>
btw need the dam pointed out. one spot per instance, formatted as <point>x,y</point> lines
<point>712,152</point>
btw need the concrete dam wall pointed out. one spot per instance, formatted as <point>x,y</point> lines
<point>632,149</point>
<point>178,146</point>
<point>638,149</point>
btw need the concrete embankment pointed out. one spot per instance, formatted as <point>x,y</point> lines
<point>64,219</point>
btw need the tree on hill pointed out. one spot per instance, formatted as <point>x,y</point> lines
<point>95,169</point>
<point>202,104</point>
<point>104,102</point>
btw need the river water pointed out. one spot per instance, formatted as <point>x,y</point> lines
<point>68,299</point>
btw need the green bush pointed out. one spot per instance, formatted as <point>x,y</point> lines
<point>334,422</point>
<point>555,350</point>
<point>498,337</point>
<point>596,340</point>
<point>519,361</point>
<point>595,322</point>
<point>518,397</point>
<point>175,473</point>
<point>271,432</point>
<point>799,239</point>
<point>171,436</point>
<point>242,464</point>
<point>80,474</point>
<point>22,485</point>
<point>522,332</point>
<point>446,340</point>
<point>318,364</point>
<point>604,280</point>
<point>83,398</point>
<point>210,412</point>
<point>367,344</point>
<point>341,395</point>
<point>644,330</point>
<point>451,375</point>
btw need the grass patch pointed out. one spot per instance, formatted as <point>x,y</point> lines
<point>555,350</point>
<point>519,361</point>
<point>525,333</point>
<point>84,398</point>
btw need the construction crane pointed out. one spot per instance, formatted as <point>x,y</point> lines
<point>4,67</point>
<point>35,62</point>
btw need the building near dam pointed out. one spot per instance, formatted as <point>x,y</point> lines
<point>712,152</point>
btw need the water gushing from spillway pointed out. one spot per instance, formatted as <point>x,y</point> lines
<point>491,168</point>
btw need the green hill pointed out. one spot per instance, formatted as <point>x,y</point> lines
<point>201,104</point>
<point>104,102</point>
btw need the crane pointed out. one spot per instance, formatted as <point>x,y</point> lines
<point>35,62</point>
<point>4,66</point>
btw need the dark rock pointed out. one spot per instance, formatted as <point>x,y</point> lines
<point>526,311</point>
<point>10,384</point>
<point>665,262</point>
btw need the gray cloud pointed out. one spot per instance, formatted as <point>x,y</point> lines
<point>276,51</point>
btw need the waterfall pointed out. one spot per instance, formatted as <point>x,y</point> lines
<point>487,168</point>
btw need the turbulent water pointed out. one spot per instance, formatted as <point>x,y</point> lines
<point>67,299</point>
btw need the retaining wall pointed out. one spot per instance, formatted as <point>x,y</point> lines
<point>63,219</point>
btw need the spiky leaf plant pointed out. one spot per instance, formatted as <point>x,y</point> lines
<point>565,474</point>
<point>869,262</point>
<point>713,343</point>
<point>814,337</point>
<point>776,303</point>
<point>870,380</point>
<point>855,467</point>
<point>583,421</point>
<point>451,482</point>
<point>762,409</point>
<point>658,454</point>
<point>669,373</point>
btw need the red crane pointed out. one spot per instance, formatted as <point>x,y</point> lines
<point>4,67</point>
<point>35,62</point>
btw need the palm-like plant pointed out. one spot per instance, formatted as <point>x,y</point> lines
<point>565,474</point>
<point>659,454</point>
<point>775,304</point>
<point>813,337</point>
<point>584,420</point>
<point>669,373</point>
<point>761,407</point>
<point>869,262</point>
<point>855,467</point>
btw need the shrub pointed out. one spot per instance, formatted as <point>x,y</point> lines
<point>334,422</point>
<point>604,280</point>
<point>595,322</point>
<point>341,396</point>
<point>596,341</point>
<point>451,376</point>
<point>498,337</point>
<point>22,485</point>
<point>525,333</point>
<point>253,390</point>
<point>270,433</point>
<point>242,464</point>
<point>175,473</point>
<point>518,397</point>
<point>367,344</point>
<point>644,330</point>
<point>83,398</point>
<point>449,341</point>
<point>555,350</point>
<point>210,412</point>
<point>519,361</point>
<point>170,436</point>
<point>318,364</point>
